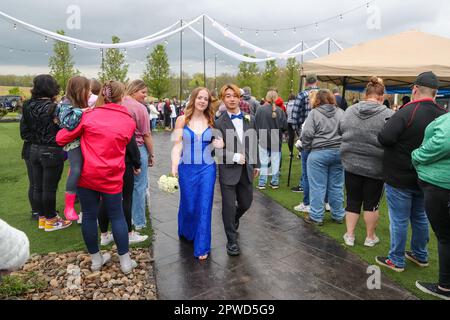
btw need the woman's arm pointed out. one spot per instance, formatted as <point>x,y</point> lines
<point>177,145</point>
<point>436,148</point>
<point>133,153</point>
<point>65,136</point>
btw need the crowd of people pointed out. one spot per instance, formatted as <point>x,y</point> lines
<point>365,150</point>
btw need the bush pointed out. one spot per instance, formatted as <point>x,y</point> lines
<point>14,286</point>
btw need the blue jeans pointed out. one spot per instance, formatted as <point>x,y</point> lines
<point>326,176</point>
<point>140,191</point>
<point>90,205</point>
<point>275,158</point>
<point>407,205</point>
<point>153,123</point>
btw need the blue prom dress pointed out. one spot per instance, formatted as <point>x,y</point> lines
<point>197,176</point>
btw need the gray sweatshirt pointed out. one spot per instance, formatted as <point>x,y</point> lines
<point>320,130</point>
<point>361,152</point>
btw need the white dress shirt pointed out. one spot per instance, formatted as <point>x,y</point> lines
<point>239,126</point>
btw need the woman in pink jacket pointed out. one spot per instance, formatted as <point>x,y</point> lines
<point>105,132</point>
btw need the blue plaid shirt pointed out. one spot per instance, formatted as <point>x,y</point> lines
<point>301,109</point>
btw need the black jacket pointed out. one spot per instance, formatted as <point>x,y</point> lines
<point>37,125</point>
<point>402,134</point>
<point>133,155</point>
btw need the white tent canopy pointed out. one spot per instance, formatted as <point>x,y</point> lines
<point>398,59</point>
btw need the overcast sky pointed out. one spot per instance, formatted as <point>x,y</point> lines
<point>132,19</point>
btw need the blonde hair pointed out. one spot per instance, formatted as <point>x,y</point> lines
<point>271,96</point>
<point>208,113</point>
<point>111,92</point>
<point>135,86</point>
<point>323,96</point>
<point>233,87</point>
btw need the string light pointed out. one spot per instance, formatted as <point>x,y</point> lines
<point>15,26</point>
<point>295,30</point>
<point>75,47</point>
<point>274,33</point>
<point>46,40</point>
<point>257,32</point>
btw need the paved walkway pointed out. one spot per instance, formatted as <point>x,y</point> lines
<point>281,256</point>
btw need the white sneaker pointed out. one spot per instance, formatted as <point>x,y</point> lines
<point>104,259</point>
<point>371,243</point>
<point>127,264</point>
<point>105,240</point>
<point>327,207</point>
<point>349,241</point>
<point>80,218</point>
<point>302,208</point>
<point>136,237</point>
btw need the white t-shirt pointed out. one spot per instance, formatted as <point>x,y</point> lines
<point>174,111</point>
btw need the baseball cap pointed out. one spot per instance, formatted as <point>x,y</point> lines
<point>427,79</point>
<point>311,79</point>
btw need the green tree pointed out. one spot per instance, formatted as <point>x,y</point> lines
<point>248,75</point>
<point>196,81</point>
<point>290,78</point>
<point>61,63</point>
<point>270,76</point>
<point>156,74</point>
<point>115,67</point>
<point>15,91</point>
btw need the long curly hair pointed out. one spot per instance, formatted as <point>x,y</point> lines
<point>189,112</point>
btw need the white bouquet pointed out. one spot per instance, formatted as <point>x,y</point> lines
<point>168,184</point>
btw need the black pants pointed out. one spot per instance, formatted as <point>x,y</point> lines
<point>291,137</point>
<point>437,206</point>
<point>167,121</point>
<point>127,201</point>
<point>232,210</point>
<point>47,165</point>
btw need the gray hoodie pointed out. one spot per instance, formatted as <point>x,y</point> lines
<point>361,152</point>
<point>320,130</point>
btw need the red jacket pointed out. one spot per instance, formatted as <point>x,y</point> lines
<point>105,132</point>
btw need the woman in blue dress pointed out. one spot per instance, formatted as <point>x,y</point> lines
<point>194,165</point>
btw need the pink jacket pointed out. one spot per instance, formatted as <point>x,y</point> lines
<point>105,132</point>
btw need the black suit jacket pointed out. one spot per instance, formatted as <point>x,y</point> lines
<point>229,171</point>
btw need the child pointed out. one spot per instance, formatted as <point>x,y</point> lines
<point>69,115</point>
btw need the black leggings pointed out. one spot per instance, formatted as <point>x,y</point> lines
<point>47,165</point>
<point>127,201</point>
<point>291,137</point>
<point>362,192</point>
<point>437,206</point>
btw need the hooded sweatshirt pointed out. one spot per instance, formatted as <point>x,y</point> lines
<point>320,130</point>
<point>361,152</point>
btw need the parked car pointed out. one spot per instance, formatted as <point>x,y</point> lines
<point>10,102</point>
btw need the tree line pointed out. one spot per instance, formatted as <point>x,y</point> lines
<point>160,82</point>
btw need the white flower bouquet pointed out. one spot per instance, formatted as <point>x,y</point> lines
<point>168,184</point>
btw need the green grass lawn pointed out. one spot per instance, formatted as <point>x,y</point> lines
<point>407,279</point>
<point>14,205</point>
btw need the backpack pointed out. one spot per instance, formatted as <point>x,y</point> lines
<point>68,116</point>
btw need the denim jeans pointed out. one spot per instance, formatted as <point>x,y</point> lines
<point>153,123</point>
<point>90,204</point>
<point>274,157</point>
<point>47,164</point>
<point>407,205</point>
<point>140,191</point>
<point>326,176</point>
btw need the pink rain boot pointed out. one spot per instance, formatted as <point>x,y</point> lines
<point>69,210</point>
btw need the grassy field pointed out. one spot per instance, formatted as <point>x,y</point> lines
<point>14,205</point>
<point>406,279</point>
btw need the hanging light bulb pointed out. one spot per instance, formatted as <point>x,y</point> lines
<point>15,26</point>
<point>368,4</point>
<point>341,17</point>
<point>317,26</point>
<point>275,33</point>
<point>166,42</point>
<point>46,40</point>
<point>75,47</point>
<point>295,30</point>
<point>241,31</point>
<point>257,32</point>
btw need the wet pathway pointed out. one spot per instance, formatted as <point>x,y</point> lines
<point>281,257</point>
